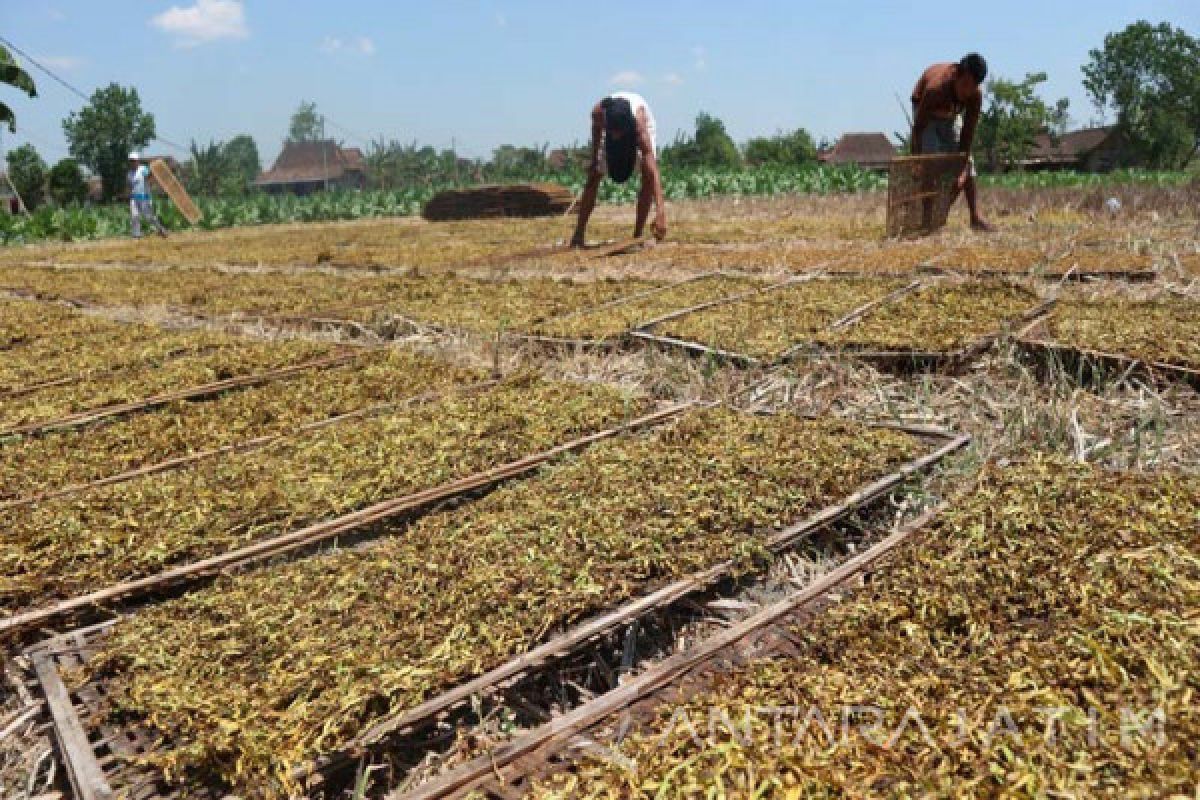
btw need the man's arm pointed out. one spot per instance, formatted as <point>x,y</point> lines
<point>587,201</point>
<point>650,171</point>
<point>966,139</point>
<point>920,115</point>
<point>597,135</point>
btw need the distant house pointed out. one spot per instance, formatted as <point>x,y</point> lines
<point>305,167</point>
<point>867,150</point>
<point>1086,150</point>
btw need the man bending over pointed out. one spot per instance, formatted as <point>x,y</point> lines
<point>943,93</point>
<point>622,130</point>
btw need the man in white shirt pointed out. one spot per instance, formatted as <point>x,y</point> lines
<point>139,197</point>
<point>623,129</point>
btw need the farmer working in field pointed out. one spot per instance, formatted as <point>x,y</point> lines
<point>622,129</point>
<point>943,93</point>
<point>139,197</point>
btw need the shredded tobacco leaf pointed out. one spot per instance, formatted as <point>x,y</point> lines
<point>84,542</point>
<point>936,318</point>
<point>445,299</point>
<point>1101,262</point>
<point>36,465</point>
<point>767,324</point>
<point>265,671</point>
<point>1165,329</point>
<point>160,366</point>
<point>889,260</point>
<point>25,321</point>
<point>988,259</point>
<point>605,323</point>
<point>1018,648</point>
<point>374,244</point>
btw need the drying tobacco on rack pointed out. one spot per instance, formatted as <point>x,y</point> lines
<point>936,318</point>
<point>1101,262</point>
<point>766,324</point>
<point>25,321</point>
<point>617,318</point>
<point>492,306</point>
<point>265,671</point>
<point>159,367</point>
<point>697,258</point>
<point>77,355</point>
<point>1039,640</point>
<point>85,542</point>
<point>370,245</point>
<point>891,259</point>
<point>987,259</point>
<point>1165,329</point>
<point>36,465</point>
<point>443,299</point>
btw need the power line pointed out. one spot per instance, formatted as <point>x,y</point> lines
<point>46,70</point>
<point>360,138</point>
<point>169,143</point>
<point>73,89</point>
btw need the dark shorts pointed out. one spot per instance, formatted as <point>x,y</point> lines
<point>941,136</point>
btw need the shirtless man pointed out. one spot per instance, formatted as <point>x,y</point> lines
<point>943,92</point>
<point>622,129</point>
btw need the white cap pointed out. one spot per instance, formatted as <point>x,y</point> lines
<point>134,156</point>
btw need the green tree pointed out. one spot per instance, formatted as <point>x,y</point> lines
<point>241,163</point>
<point>306,125</point>
<point>1013,117</point>
<point>104,132</point>
<point>392,164</point>
<point>1150,75</point>
<point>790,149</point>
<point>14,76</point>
<point>710,146</point>
<point>27,171</point>
<point>67,184</point>
<point>206,169</point>
<point>509,161</point>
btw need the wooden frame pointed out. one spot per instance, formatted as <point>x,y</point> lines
<point>543,750</point>
<point>921,193</point>
<point>1093,365</point>
<point>204,571</point>
<point>1041,270</point>
<point>246,445</point>
<point>744,360</point>
<point>191,393</point>
<point>378,736</point>
<point>619,339</point>
<point>951,361</point>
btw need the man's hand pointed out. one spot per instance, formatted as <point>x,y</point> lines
<point>660,225</point>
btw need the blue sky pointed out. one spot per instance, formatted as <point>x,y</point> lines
<point>485,73</point>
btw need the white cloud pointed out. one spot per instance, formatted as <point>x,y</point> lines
<point>673,79</point>
<point>207,21</point>
<point>627,77</point>
<point>63,63</point>
<point>362,45</point>
<point>55,15</point>
<point>501,20</point>
<point>700,58</point>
